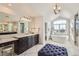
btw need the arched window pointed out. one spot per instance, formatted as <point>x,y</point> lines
<point>59,26</point>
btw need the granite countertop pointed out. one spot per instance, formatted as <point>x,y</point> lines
<point>4,40</point>
<point>23,35</point>
<point>12,37</point>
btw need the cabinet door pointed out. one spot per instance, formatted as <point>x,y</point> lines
<point>23,44</point>
<point>36,39</point>
<point>29,41</point>
<point>33,40</point>
<point>16,47</point>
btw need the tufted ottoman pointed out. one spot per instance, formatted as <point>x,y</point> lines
<point>52,50</point>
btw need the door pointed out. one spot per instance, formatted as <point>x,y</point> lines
<point>45,31</point>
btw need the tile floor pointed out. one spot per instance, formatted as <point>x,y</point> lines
<point>32,51</point>
<point>72,50</point>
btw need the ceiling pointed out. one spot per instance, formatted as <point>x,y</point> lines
<point>38,9</point>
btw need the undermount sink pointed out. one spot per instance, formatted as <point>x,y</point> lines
<point>30,33</point>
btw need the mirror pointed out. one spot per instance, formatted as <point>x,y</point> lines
<point>8,27</point>
<point>8,23</point>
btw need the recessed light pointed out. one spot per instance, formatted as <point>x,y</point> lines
<point>10,4</point>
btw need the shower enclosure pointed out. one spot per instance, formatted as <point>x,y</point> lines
<point>76,30</point>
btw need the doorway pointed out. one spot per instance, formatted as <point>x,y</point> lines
<point>22,27</point>
<point>45,31</point>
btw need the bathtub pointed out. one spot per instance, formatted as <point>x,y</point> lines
<point>59,38</point>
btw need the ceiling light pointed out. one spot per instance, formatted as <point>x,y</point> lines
<point>57,9</point>
<point>10,4</point>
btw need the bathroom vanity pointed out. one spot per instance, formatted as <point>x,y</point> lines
<point>25,42</point>
<point>17,43</point>
<point>16,35</point>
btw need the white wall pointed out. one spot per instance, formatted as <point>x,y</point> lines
<point>72,30</point>
<point>64,14</point>
<point>48,29</point>
<point>38,23</point>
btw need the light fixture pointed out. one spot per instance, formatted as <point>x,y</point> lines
<point>25,19</point>
<point>9,4</point>
<point>6,19</point>
<point>57,8</point>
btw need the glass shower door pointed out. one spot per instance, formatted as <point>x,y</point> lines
<point>76,30</point>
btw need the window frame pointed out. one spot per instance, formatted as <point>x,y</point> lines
<point>59,25</point>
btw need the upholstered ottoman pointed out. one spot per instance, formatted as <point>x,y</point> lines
<point>52,50</point>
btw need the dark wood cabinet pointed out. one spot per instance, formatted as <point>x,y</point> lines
<point>21,45</point>
<point>7,43</point>
<point>25,43</point>
<point>36,37</point>
<point>30,39</point>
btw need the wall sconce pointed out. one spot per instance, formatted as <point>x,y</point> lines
<point>25,19</point>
